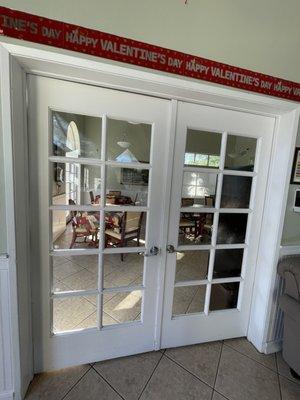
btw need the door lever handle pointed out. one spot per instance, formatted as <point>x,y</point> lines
<point>154,251</point>
<point>171,249</point>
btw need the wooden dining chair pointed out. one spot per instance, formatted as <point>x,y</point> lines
<point>83,229</point>
<point>129,229</point>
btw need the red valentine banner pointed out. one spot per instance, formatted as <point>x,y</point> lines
<point>42,30</point>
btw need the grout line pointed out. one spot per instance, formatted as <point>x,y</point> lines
<point>158,362</point>
<point>291,379</point>
<point>278,376</point>
<point>191,373</point>
<point>77,382</point>
<point>221,394</point>
<point>220,355</point>
<point>253,359</point>
<point>109,384</point>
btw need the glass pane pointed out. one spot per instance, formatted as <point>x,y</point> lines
<point>127,186</point>
<point>198,189</point>
<point>125,229</point>
<point>76,135</point>
<point>228,263</point>
<point>75,184</point>
<point>122,307</point>
<point>189,299</point>
<point>122,273</point>
<point>74,313</point>
<point>75,229</point>
<point>191,265</point>
<point>224,296</point>
<point>236,191</point>
<point>202,149</point>
<point>232,228</point>
<point>240,153</point>
<point>128,141</point>
<point>71,273</point>
<point>195,228</point>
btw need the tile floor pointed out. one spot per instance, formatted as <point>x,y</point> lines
<point>231,370</point>
<point>80,272</point>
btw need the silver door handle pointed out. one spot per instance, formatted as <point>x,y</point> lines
<point>171,249</point>
<point>154,251</point>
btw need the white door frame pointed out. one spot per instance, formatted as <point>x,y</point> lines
<point>18,58</point>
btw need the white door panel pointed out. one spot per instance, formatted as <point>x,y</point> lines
<point>221,165</point>
<point>88,304</point>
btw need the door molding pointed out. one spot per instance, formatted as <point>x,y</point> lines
<point>40,60</point>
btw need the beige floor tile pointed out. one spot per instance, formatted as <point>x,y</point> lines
<point>240,377</point>
<point>89,262</point>
<point>92,387</point>
<point>66,269</point>
<point>124,307</point>
<point>201,360</point>
<point>183,296</point>
<point>89,322</point>
<point>171,382</point>
<point>69,312</point>
<point>54,385</point>
<point>59,260</point>
<point>218,396</point>
<point>289,389</point>
<point>243,346</point>
<point>108,320</point>
<point>59,286</point>
<point>284,369</point>
<point>191,265</point>
<point>120,277</point>
<point>198,302</point>
<point>82,280</point>
<point>129,375</point>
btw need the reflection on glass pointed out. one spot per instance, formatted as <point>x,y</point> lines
<point>228,263</point>
<point>74,313</point>
<point>75,229</point>
<point>121,307</point>
<point>224,296</point>
<point>127,186</point>
<point>75,273</point>
<point>202,149</point>
<point>195,228</point>
<point>75,184</point>
<point>76,135</point>
<point>232,228</point>
<point>236,191</point>
<point>191,265</point>
<point>128,141</point>
<point>124,229</point>
<point>188,299</point>
<point>240,153</point>
<point>198,189</point>
<point>117,273</point>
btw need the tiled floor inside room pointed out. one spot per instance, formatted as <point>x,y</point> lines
<point>231,370</point>
<point>80,272</point>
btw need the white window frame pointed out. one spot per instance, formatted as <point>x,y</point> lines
<point>15,61</point>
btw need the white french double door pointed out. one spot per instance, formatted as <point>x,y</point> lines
<point>121,264</point>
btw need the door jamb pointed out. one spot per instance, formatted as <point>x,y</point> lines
<point>85,69</point>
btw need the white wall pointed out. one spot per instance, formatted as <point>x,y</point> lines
<point>262,35</point>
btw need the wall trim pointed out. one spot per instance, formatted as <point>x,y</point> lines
<point>272,347</point>
<point>7,396</point>
<point>289,250</point>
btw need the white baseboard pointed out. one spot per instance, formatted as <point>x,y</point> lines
<point>289,250</point>
<point>7,396</point>
<point>273,347</point>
